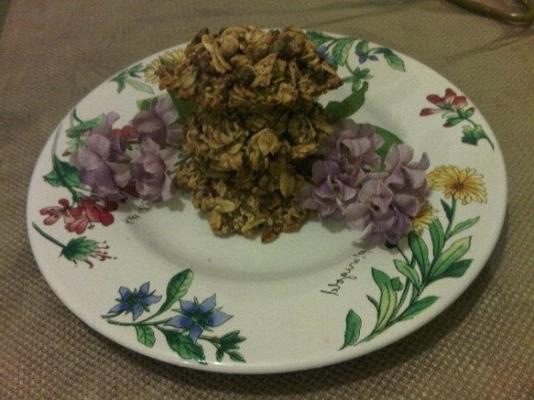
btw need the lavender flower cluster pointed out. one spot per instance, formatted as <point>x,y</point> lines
<point>135,159</point>
<point>352,182</point>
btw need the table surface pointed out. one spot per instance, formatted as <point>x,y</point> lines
<point>53,52</point>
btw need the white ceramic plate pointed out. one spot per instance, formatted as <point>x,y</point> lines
<point>305,300</point>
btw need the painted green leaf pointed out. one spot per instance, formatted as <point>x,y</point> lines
<point>420,252</point>
<point>356,83</point>
<point>373,302</point>
<point>341,50</point>
<point>389,140</point>
<point>418,306</point>
<point>452,121</point>
<point>136,70</point>
<point>408,272</point>
<point>388,298</point>
<point>219,354</point>
<point>455,251</point>
<point>84,126</point>
<point>177,288</point>
<point>396,284</point>
<point>139,86</point>
<point>393,60</point>
<point>348,106</point>
<point>146,104</point>
<point>437,235</point>
<point>362,48</point>
<point>184,346</point>
<point>79,249</point>
<point>472,134</point>
<point>456,270</point>
<point>353,324</point>
<point>462,226</point>
<point>63,174</point>
<point>184,107</point>
<point>318,38</point>
<point>447,208</point>
<point>145,335</point>
<point>231,340</point>
<point>120,79</point>
<point>236,356</point>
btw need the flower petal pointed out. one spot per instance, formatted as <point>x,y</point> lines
<point>188,307</point>
<point>195,332</point>
<point>151,299</point>
<point>137,310</point>
<point>180,322</point>
<point>208,304</point>
<point>143,289</point>
<point>218,318</point>
<point>118,308</point>
<point>125,293</point>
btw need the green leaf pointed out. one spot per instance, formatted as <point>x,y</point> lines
<point>362,48</point>
<point>145,335</point>
<point>452,121</point>
<point>140,86</point>
<point>373,302</point>
<point>456,251</point>
<point>393,60</point>
<point>341,50</point>
<point>121,81</point>
<point>408,272</point>
<point>420,252</point>
<point>462,226</point>
<point>63,174</point>
<point>184,107</point>
<point>136,70</point>
<point>418,306</point>
<point>76,130</point>
<point>348,106</point>
<point>437,235</point>
<point>79,249</point>
<point>236,356</point>
<point>389,140</point>
<point>456,270</point>
<point>396,284</point>
<point>318,38</point>
<point>388,298</point>
<point>447,208</point>
<point>146,104</point>
<point>184,346</point>
<point>176,289</point>
<point>231,340</point>
<point>356,83</point>
<point>472,134</point>
<point>353,324</point>
<point>219,354</point>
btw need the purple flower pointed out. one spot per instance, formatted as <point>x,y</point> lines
<point>387,202</point>
<point>135,302</point>
<point>158,123</point>
<point>149,171</point>
<point>97,161</point>
<point>355,143</point>
<point>334,186</point>
<point>403,172</point>
<point>195,317</point>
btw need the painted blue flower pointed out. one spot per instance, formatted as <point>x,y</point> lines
<point>135,302</point>
<point>322,52</point>
<point>195,317</point>
<point>364,57</point>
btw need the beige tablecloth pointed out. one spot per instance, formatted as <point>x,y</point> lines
<point>53,52</point>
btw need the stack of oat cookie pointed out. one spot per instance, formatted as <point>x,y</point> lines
<point>256,128</point>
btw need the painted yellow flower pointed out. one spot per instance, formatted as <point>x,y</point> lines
<point>423,219</point>
<point>460,184</point>
<point>170,57</point>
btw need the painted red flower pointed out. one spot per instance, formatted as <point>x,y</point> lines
<point>450,102</point>
<point>85,214</point>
